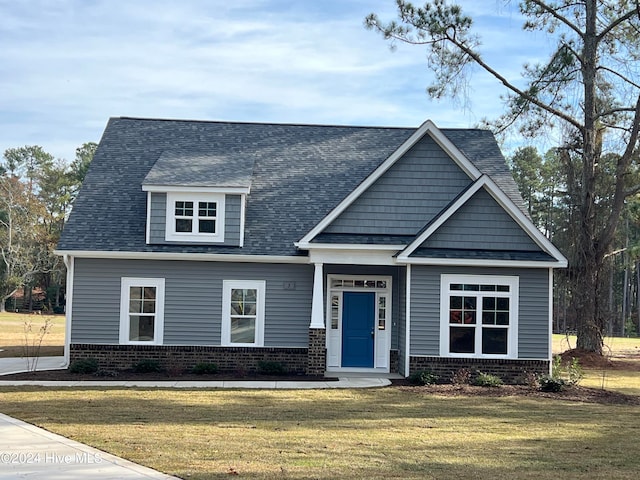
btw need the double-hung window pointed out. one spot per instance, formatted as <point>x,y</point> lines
<point>141,310</point>
<point>195,217</point>
<point>243,306</point>
<point>478,316</point>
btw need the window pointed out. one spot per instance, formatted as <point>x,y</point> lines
<point>478,316</point>
<point>195,217</point>
<point>243,305</point>
<point>141,310</point>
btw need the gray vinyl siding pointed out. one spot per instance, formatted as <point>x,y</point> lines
<point>232,212</point>
<point>158,218</point>
<point>415,189</point>
<point>482,224</point>
<point>193,299</point>
<point>533,316</point>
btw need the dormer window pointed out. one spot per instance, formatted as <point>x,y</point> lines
<point>195,217</point>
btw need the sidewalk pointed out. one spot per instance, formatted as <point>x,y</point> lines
<point>18,364</point>
<point>30,452</point>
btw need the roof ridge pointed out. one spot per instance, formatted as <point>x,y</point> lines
<point>293,124</point>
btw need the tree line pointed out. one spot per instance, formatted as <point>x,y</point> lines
<point>550,195</point>
<point>36,195</point>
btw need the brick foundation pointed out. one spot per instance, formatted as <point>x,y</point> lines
<point>510,371</point>
<point>228,359</point>
<point>317,352</point>
<point>394,361</point>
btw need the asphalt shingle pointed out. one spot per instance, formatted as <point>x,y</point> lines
<point>297,173</point>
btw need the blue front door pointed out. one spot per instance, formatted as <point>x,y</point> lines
<point>358,321</point>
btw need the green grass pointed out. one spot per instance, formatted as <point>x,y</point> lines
<point>326,434</point>
<point>12,334</point>
<point>379,433</point>
<point>623,377</point>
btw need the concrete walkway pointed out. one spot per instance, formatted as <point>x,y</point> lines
<point>19,364</point>
<point>30,452</point>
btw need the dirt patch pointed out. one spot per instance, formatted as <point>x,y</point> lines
<point>127,376</point>
<point>573,393</point>
<point>624,360</point>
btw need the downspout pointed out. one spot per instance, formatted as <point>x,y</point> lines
<point>69,264</point>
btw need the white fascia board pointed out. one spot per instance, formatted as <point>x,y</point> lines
<point>352,257</point>
<point>194,257</point>
<point>467,262</point>
<point>427,127</point>
<point>192,189</point>
<point>346,246</point>
<point>507,204</point>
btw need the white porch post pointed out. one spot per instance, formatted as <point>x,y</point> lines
<point>317,305</point>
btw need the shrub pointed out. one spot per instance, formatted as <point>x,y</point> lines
<point>86,365</point>
<point>423,377</point>
<point>204,368</point>
<point>147,366</point>
<point>487,380</point>
<point>271,368</point>
<point>549,383</point>
<point>461,376</point>
<point>561,375</point>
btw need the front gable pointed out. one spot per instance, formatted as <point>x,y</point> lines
<point>415,182</point>
<point>480,224</point>
<point>482,227</point>
<point>411,192</point>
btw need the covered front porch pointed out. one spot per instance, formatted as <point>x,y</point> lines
<point>357,324</point>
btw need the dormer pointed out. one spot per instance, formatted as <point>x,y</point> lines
<point>197,198</point>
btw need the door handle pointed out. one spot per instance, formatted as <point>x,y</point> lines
<point>373,334</point>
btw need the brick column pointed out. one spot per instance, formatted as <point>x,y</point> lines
<point>317,352</point>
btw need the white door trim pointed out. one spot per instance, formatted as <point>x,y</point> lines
<point>383,288</point>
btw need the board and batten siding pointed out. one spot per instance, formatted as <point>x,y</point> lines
<point>158,219</point>
<point>481,223</point>
<point>533,314</point>
<point>193,299</point>
<point>407,196</point>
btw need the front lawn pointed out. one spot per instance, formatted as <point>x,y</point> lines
<point>13,336</point>
<point>380,433</point>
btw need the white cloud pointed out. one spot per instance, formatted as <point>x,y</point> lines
<point>66,66</point>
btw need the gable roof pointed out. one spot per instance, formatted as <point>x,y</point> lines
<point>298,175</point>
<point>415,253</point>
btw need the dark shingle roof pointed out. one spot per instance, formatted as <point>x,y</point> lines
<point>299,173</point>
<point>201,169</point>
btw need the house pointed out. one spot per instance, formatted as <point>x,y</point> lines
<point>326,248</point>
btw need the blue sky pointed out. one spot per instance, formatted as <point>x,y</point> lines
<point>66,66</point>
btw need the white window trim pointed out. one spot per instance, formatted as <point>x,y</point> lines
<point>170,224</point>
<point>227,286</point>
<point>158,328</point>
<point>513,295</point>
